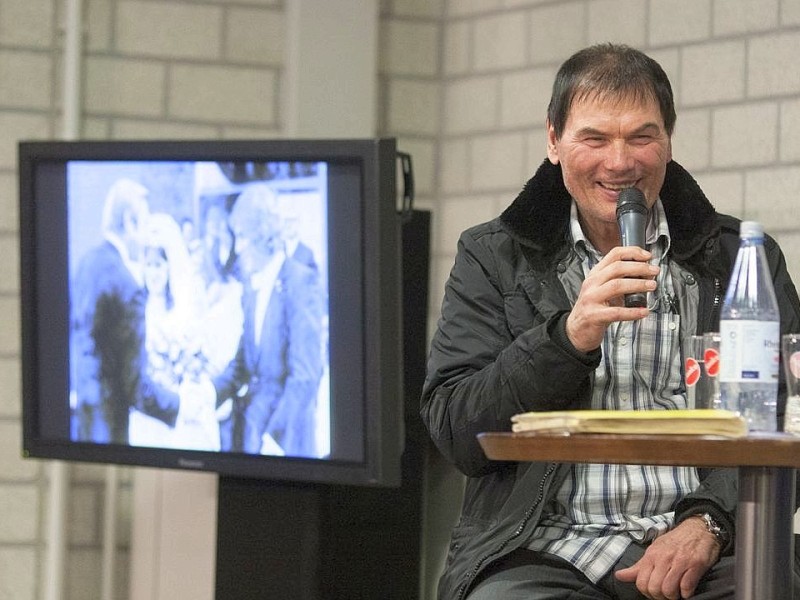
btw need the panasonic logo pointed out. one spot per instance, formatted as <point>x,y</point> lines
<point>190,464</point>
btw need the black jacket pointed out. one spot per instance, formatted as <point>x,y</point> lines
<point>501,349</point>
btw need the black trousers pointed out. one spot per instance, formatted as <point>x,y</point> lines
<point>529,575</point>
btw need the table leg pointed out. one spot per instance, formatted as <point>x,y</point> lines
<point>764,533</point>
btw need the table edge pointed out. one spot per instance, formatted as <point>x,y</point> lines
<point>764,450</point>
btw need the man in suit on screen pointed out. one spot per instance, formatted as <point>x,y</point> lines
<point>108,326</point>
<point>274,378</point>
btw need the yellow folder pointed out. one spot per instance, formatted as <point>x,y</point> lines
<point>671,422</point>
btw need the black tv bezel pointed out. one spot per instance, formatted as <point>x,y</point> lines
<point>380,332</point>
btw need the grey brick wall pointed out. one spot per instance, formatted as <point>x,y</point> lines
<point>153,69</point>
<point>463,85</point>
<point>732,65</point>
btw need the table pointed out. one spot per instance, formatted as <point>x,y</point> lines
<point>766,464</point>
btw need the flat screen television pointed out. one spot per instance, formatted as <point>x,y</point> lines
<point>228,306</point>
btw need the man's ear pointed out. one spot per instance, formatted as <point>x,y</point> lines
<point>552,148</point>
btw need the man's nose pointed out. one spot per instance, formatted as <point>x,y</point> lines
<point>620,157</point>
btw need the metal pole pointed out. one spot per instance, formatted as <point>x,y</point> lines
<point>59,470</point>
<point>764,533</point>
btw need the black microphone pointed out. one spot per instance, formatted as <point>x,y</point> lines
<point>632,219</point>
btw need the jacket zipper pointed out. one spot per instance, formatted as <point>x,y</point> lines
<point>715,312</point>
<point>539,496</point>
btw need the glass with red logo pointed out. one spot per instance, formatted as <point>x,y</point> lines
<point>700,371</point>
<point>694,372</point>
<point>711,361</point>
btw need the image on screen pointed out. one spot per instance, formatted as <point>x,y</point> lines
<point>199,314</point>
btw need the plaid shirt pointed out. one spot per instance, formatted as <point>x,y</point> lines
<point>601,509</point>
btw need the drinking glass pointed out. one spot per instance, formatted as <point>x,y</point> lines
<point>790,351</point>
<point>711,365</point>
<point>695,375</point>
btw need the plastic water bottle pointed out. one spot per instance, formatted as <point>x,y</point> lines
<point>750,335</point>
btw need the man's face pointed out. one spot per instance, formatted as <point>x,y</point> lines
<point>608,145</point>
<point>253,241</point>
<point>245,233</point>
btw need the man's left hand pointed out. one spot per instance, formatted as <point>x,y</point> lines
<point>673,564</point>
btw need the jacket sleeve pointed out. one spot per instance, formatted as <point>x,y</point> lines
<point>493,356</point>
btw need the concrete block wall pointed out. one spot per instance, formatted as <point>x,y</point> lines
<point>180,69</point>
<point>26,91</point>
<point>153,69</point>
<point>463,85</point>
<point>160,68</point>
<point>731,63</point>
<point>410,86</point>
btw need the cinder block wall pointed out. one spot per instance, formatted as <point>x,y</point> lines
<point>153,69</point>
<point>26,93</point>
<point>732,65</point>
<point>463,85</point>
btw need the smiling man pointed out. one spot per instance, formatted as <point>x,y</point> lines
<point>533,319</point>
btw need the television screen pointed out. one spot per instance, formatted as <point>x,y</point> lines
<point>227,306</point>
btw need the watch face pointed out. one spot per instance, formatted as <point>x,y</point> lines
<point>714,528</point>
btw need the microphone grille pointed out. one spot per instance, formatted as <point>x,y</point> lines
<point>631,200</point>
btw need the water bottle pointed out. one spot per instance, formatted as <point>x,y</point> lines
<point>750,335</point>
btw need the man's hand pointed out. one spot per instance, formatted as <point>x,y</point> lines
<point>674,563</point>
<point>624,270</point>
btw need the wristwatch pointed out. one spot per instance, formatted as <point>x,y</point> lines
<point>714,528</point>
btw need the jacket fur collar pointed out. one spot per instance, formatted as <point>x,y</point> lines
<point>539,216</point>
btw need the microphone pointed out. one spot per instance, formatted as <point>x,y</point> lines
<point>632,219</point>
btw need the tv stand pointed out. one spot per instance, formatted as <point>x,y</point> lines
<point>297,541</point>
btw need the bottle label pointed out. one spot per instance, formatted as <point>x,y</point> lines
<point>750,351</point>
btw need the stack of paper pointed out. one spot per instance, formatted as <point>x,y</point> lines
<point>671,422</point>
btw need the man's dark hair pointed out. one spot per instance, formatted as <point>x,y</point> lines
<point>611,71</point>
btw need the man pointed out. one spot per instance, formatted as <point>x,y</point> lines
<point>108,326</point>
<point>533,319</point>
<point>274,378</point>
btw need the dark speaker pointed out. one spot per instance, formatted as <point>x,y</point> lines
<point>329,542</point>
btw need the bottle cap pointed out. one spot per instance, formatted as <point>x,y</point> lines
<point>751,229</point>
